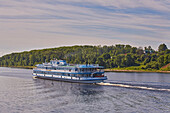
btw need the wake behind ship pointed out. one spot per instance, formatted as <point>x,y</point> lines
<point>60,70</point>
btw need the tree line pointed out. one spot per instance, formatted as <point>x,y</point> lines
<point>108,56</point>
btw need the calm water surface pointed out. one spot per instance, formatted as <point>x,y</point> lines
<point>19,93</point>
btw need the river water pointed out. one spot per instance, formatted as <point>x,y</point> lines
<point>122,93</point>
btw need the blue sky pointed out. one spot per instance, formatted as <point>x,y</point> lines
<point>36,24</point>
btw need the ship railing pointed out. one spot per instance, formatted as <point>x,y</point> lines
<point>86,64</point>
<point>72,71</point>
<point>90,71</point>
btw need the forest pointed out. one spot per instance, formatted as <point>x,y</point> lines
<point>118,56</point>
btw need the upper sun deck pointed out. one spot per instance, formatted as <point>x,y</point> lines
<point>88,66</point>
<point>63,64</point>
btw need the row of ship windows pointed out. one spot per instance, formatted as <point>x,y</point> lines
<point>63,74</point>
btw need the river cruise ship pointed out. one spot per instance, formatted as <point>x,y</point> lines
<point>60,70</point>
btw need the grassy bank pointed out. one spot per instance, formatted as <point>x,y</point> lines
<point>125,69</point>
<point>135,69</point>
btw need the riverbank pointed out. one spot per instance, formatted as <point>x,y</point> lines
<point>23,67</point>
<point>106,70</point>
<point>136,71</point>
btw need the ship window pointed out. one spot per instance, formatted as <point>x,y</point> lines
<point>79,75</point>
<point>72,75</point>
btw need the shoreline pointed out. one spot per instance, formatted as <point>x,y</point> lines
<point>106,70</point>
<point>135,71</point>
<point>22,67</point>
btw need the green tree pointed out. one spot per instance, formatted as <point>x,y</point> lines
<point>161,60</point>
<point>118,60</point>
<point>162,47</point>
<point>140,51</point>
<point>106,56</point>
<point>100,61</point>
<point>133,50</point>
<point>129,61</point>
<point>166,59</point>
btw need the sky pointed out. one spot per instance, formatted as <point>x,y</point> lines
<point>37,24</point>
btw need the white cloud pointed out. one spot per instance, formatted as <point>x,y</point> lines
<point>29,24</point>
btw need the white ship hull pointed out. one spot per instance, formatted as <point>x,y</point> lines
<point>71,79</point>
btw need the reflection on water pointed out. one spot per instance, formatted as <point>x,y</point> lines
<point>19,93</point>
<point>54,89</point>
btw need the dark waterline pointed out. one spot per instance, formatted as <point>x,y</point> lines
<point>20,93</point>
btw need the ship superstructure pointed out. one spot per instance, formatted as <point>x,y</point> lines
<point>60,70</point>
